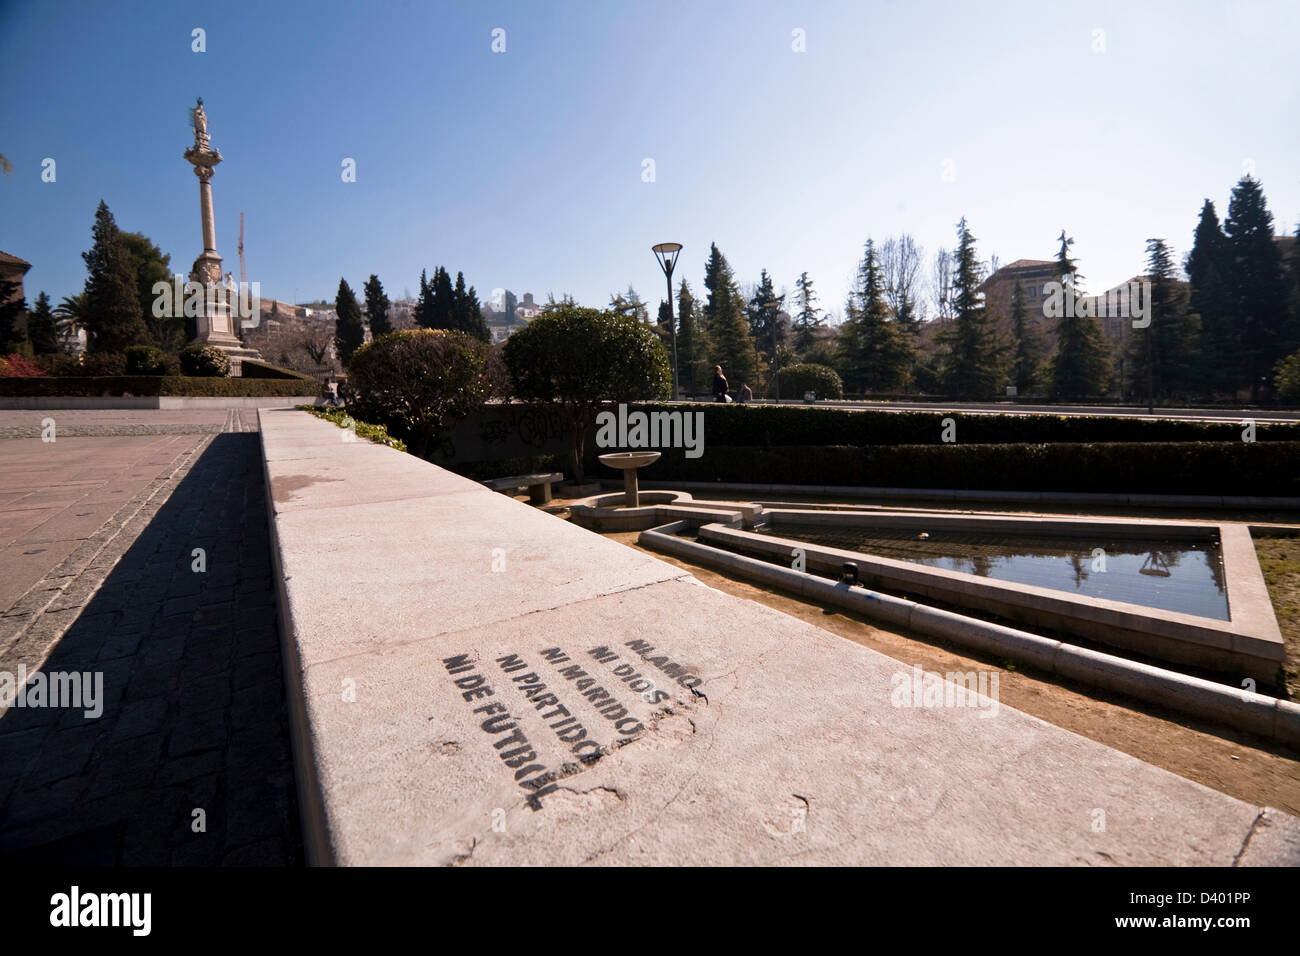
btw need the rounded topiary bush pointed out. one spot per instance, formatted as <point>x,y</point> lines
<point>205,361</point>
<point>145,360</point>
<point>795,380</point>
<point>418,383</point>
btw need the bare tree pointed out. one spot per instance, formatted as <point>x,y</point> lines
<point>941,285</point>
<point>900,263</point>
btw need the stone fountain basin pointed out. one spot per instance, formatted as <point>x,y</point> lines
<point>623,460</point>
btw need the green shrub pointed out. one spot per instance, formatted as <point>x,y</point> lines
<point>418,383</point>
<point>795,380</point>
<point>94,364</point>
<point>205,361</point>
<point>145,360</point>
<point>581,358</point>
<point>1170,468</point>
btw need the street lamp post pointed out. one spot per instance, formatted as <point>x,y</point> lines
<point>666,253</point>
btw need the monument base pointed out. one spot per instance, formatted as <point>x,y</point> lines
<point>235,350</point>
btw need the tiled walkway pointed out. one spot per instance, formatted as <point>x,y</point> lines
<point>158,578</point>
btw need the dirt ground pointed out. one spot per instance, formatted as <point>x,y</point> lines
<point>1233,762</point>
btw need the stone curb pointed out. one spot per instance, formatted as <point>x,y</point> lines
<point>1028,497</point>
<point>1240,709</point>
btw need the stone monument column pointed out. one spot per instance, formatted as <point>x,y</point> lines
<point>214,319</point>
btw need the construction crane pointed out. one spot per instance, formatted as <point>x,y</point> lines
<point>243,273</point>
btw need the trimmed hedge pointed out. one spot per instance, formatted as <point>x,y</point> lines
<point>148,385</point>
<point>769,425</point>
<point>1171,468</point>
<point>250,368</point>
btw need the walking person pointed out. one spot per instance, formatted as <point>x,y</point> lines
<point>720,385</point>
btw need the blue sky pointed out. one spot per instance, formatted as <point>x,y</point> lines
<point>524,169</point>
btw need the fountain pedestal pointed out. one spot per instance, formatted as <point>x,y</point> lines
<point>628,462</point>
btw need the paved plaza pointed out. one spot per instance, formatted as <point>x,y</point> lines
<point>135,545</point>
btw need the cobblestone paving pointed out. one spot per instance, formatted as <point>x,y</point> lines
<point>193,697</point>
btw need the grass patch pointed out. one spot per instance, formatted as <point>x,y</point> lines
<point>1279,559</point>
<point>375,433</point>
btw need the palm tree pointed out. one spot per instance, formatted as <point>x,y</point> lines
<point>72,313</point>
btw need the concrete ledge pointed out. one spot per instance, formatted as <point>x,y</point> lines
<point>1025,497</point>
<point>429,623</point>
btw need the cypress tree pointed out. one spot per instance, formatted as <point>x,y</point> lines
<point>692,345</point>
<point>114,318</point>
<point>423,312</point>
<point>377,307</point>
<point>1208,267</point>
<point>468,312</point>
<point>349,333</point>
<point>442,309</point>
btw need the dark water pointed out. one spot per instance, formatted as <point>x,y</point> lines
<point>1182,575</point>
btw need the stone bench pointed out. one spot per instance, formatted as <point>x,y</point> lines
<point>539,486</point>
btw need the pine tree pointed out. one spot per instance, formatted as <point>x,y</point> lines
<point>808,318</point>
<point>43,327</point>
<point>349,333</point>
<point>1256,283</point>
<point>377,307</point>
<point>1208,266</point>
<point>973,367</point>
<point>1082,366</point>
<point>1164,357</point>
<point>874,350</point>
<point>114,317</point>
<point>629,303</point>
<point>728,331</point>
<point>1028,344</point>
